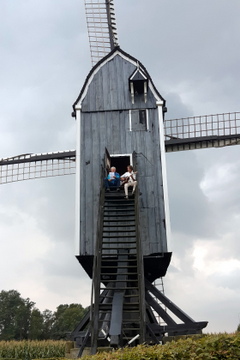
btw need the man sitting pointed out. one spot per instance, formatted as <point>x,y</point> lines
<point>112,180</point>
<point>129,179</point>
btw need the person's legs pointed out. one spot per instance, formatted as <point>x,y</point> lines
<point>126,186</point>
<point>117,182</point>
<point>134,186</point>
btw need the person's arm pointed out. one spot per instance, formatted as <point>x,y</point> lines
<point>133,176</point>
<point>123,177</point>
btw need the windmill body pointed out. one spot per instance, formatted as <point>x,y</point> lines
<point>132,131</point>
<point>122,244</point>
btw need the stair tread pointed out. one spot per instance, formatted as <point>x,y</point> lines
<point>118,198</point>
<point>123,204</point>
<point>116,216</point>
<point>131,304</point>
<point>110,274</point>
<point>131,321</point>
<point>119,267</point>
<point>122,245</point>
<point>116,226</point>
<point>117,242</point>
<point>120,222</point>
<point>123,280</point>
<point>118,260</point>
<point>118,248</point>
<point>117,236</point>
<point>122,231</point>
<point>119,208</point>
<point>117,220</point>
<point>119,211</point>
<point>120,288</point>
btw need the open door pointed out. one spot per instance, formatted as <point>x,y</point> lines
<point>107,162</point>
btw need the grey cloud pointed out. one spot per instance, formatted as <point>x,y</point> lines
<point>188,205</point>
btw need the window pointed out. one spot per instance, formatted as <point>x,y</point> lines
<point>138,85</point>
<point>138,120</point>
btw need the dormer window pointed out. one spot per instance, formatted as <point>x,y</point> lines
<point>138,85</point>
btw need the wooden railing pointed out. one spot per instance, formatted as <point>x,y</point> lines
<point>96,280</point>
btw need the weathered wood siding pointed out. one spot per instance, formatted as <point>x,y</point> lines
<point>109,89</point>
<point>105,124</point>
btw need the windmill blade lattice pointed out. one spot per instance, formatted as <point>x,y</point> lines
<point>205,131</point>
<point>101,24</point>
<point>34,166</point>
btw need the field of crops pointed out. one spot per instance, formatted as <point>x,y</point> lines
<point>27,350</point>
<point>209,347</point>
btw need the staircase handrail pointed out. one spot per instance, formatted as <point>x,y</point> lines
<point>96,266</point>
<point>141,281</point>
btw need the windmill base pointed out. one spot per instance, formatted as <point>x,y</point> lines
<point>157,305</point>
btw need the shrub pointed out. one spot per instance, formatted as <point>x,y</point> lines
<point>209,347</point>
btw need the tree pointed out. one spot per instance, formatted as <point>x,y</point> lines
<point>66,319</point>
<point>36,326</point>
<point>48,320</point>
<point>238,328</point>
<point>19,319</point>
<point>15,313</point>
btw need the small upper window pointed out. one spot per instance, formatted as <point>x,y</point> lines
<point>138,120</point>
<point>138,85</point>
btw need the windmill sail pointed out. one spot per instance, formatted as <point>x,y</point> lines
<point>34,166</point>
<point>101,25</point>
<point>200,132</point>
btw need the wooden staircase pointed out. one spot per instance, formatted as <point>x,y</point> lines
<point>125,306</point>
<point>119,318</point>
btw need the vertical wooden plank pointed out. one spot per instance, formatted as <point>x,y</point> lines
<point>88,175</point>
<point>83,248</point>
<point>96,174</point>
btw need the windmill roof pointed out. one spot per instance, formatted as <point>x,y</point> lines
<point>122,53</point>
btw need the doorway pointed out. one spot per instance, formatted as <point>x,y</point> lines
<point>121,161</point>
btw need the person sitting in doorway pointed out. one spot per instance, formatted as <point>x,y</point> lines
<point>129,179</point>
<point>112,180</point>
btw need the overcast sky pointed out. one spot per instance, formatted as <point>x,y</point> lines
<point>192,51</point>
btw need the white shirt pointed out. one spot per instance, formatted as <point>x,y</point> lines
<point>128,174</point>
<point>112,174</point>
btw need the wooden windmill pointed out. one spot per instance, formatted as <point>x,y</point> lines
<point>123,243</point>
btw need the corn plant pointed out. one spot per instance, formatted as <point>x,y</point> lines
<point>27,350</point>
